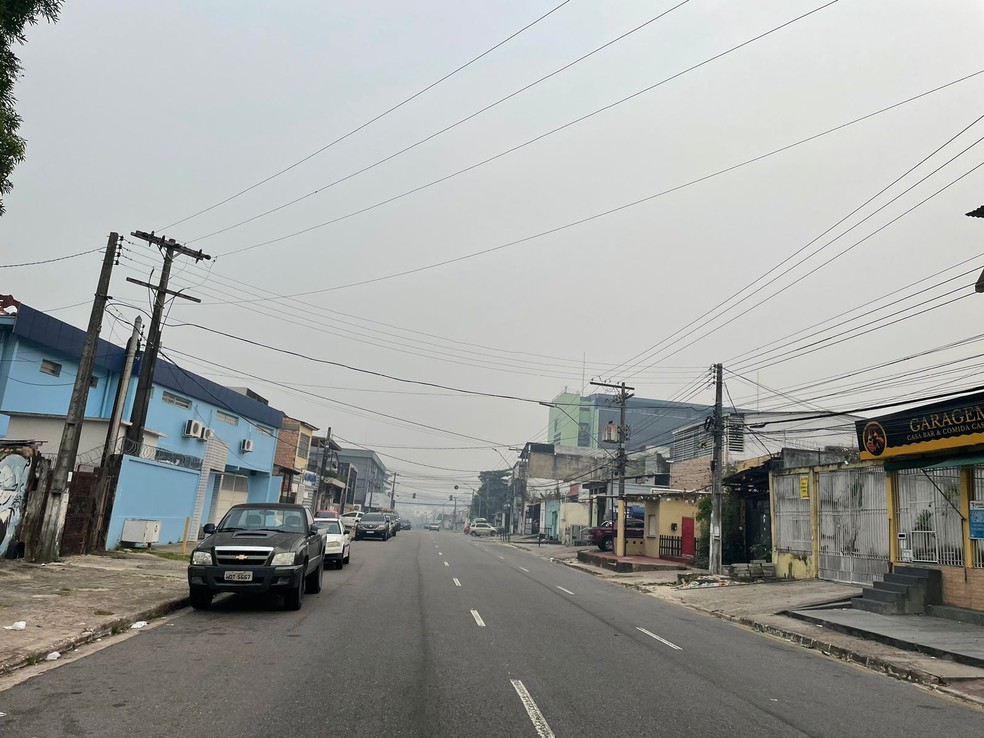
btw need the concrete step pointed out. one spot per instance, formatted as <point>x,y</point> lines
<point>883,595</point>
<point>909,579</point>
<point>959,614</point>
<point>881,608</point>
<point>902,589</point>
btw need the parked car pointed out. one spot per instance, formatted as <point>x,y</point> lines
<point>432,526</point>
<point>604,535</point>
<point>482,529</point>
<point>259,547</point>
<point>373,525</point>
<point>350,519</point>
<point>338,541</point>
<point>405,524</point>
<point>394,522</point>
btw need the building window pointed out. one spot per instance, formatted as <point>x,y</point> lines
<point>264,430</point>
<point>303,446</point>
<point>50,367</point>
<point>227,417</point>
<point>172,399</point>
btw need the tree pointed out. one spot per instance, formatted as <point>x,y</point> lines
<point>15,16</point>
<point>493,491</point>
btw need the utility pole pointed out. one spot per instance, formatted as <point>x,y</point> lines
<point>623,394</point>
<point>169,248</point>
<point>56,506</point>
<point>717,473</point>
<point>325,452</point>
<point>109,465</point>
<point>393,492</point>
<point>454,513</point>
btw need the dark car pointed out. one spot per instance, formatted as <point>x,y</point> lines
<point>604,534</point>
<point>373,525</point>
<point>259,547</point>
<point>405,524</point>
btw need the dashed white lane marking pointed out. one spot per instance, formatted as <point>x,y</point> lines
<point>526,570</point>
<point>661,640</point>
<point>478,618</point>
<point>456,582</point>
<point>447,564</point>
<point>502,558</point>
<point>565,590</point>
<point>440,554</point>
<point>539,722</point>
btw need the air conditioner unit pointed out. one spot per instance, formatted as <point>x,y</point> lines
<point>193,429</point>
<point>206,434</point>
<point>247,445</point>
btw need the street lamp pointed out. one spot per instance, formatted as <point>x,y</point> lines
<point>978,213</point>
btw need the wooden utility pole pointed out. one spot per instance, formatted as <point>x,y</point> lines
<point>393,493</point>
<point>325,465</point>
<point>717,473</point>
<point>56,506</point>
<point>623,395</point>
<point>169,248</point>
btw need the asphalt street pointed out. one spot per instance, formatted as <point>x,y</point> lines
<point>437,634</point>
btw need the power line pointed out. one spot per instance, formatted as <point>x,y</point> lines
<point>433,135</point>
<point>370,121</point>
<point>542,136</point>
<point>51,261</point>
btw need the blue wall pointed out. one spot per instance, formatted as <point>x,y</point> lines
<point>153,491</point>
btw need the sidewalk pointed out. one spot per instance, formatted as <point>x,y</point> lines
<point>82,599</point>
<point>941,654</point>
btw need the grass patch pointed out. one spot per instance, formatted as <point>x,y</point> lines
<point>34,659</point>
<point>101,612</point>
<point>64,592</point>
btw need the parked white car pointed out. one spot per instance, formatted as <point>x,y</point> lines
<point>351,519</point>
<point>482,529</point>
<point>338,541</point>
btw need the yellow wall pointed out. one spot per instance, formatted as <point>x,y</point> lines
<point>668,510</point>
<point>798,565</point>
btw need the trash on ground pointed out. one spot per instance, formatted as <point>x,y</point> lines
<point>19,625</point>
<point>138,625</point>
<point>53,656</point>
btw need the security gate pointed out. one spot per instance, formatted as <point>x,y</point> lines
<point>928,516</point>
<point>853,525</point>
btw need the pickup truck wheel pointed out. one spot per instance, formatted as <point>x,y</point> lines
<point>312,583</point>
<point>607,544</point>
<point>292,598</point>
<point>201,599</point>
<point>348,556</point>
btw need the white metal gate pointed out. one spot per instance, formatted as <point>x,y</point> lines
<point>853,525</point>
<point>928,518</point>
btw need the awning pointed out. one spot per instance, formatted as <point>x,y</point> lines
<point>952,462</point>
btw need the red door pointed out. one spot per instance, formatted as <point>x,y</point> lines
<point>687,531</point>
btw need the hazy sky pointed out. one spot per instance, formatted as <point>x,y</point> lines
<point>139,114</point>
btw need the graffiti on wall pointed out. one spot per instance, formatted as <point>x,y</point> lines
<point>14,472</point>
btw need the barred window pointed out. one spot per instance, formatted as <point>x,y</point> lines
<point>172,399</point>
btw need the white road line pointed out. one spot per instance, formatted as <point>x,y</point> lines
<point>447,564</point>
<point>478,618</point>
<point>661,640</point>
<point>456,582</point>
<point>564,590</point>
<point>526,570</point>
<point>539,722</point>
<point>502,558</point>
<point>440,554</point>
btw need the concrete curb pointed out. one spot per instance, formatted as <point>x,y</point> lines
<point>68,644</point>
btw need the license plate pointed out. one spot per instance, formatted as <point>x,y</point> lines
<point>239,576</point>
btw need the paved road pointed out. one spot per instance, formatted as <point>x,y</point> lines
<point>436,634</point>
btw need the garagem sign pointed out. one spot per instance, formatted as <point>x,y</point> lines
<point>950,424</point>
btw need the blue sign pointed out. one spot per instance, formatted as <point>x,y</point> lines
<point>977,519</point>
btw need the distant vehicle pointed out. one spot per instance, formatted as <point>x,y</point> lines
<point>338,541</point>
<point>373,525</point>
<point>326,515</point>
<point>482,529</point>
<point>394,522</point>
<point>258,547</point>
<point>350,519</point>
<point>432,526</point>
<point>405,524</point>
<point>604,534</point>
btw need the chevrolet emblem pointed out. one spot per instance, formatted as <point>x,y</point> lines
<point>241,557</point>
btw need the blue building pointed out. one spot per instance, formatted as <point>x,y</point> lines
<point>206,447</point>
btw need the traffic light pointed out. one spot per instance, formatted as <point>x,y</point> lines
<point>414,496</point>
<point>450,497</point>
